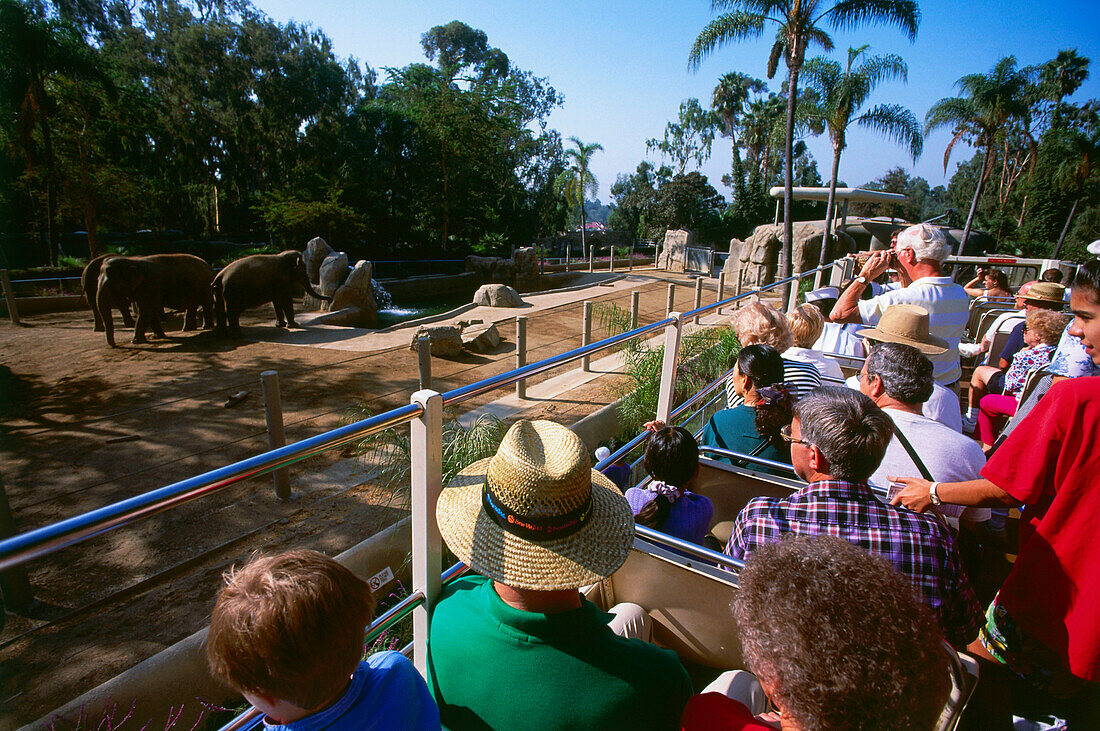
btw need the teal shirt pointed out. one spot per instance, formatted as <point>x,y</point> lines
<point>492,666</point>
<point>735,429</point>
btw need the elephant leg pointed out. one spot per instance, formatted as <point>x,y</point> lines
<point>234,317</point>
<point>208,315</point>
<point>280,313</point>
<point>127,318</point>
<point>143,319</point>
<point>287,314</point>
<point>155,322</point>
<point>191,319</point>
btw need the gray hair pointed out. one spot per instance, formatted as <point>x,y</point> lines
<point>849,429</point>
<point>927,242</point>
<point>906,374</point>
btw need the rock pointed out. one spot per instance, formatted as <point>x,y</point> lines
<point>357,292</point>
<point>756,259</point>
<point>674,253</point>
<point>491,269</point>
<point>446,341</point>
<point>348,317</point>
<point>525,264</point>
<point>463,324</point>
<point>481,338</point>
<point>334,270</point>
<point>497,295</point>
<point>317,250</point>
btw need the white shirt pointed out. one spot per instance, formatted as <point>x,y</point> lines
<point>948,308</point>
<point>948,455</point>
<point>840,338</point>
<point>827,366</point>
<point>941,406</point>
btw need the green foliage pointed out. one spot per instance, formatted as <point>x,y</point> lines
<point>689,202</point>
<point>689,138</point>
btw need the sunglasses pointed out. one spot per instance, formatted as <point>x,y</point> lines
<point>785,432</point>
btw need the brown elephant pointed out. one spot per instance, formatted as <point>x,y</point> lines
<point>89,283</point>
<point>257,279</point>
<point>153,283</point>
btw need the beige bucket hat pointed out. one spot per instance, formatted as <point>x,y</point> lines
<point>1046,292</point>
<point>908,325</point>
<point>536,515</point>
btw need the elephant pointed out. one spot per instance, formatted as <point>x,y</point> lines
<point>89,283</point>
<point>153,283</point>
<point>260,278</point>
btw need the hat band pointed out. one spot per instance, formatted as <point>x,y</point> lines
<point>535,528</point>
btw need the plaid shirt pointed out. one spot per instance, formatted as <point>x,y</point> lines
<point>918,545</point>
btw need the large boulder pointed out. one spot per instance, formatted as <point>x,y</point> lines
<point>446,340</point>
<point>525,263</point>
<point>497,295</point>
<point>481,338</point>
<point>334,271</point>
<point>756,259</point>
<point>491,269</point>
<point>357,292</point>
<point>674,254</point>
<point>317,250</point>
<point>347,317</point>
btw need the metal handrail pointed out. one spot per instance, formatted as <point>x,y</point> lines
<point>663,539</point>
<point>47,539</point>
<point>747,458</point>
<point>726,302</point>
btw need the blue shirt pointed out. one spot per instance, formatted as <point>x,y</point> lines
<point>385,693</point>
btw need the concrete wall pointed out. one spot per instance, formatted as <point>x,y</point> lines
<point>439,285</point>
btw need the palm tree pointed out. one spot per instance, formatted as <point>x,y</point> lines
<point>728,101</point>
<point>799,23</point>
<point>577,182</point>
<point>1081,164</point>
<point>842,93</point>
<point>988,103</point>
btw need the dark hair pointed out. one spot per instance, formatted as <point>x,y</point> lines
<point>763,365</point>
<point>849,429</point>
<point>1000,279</point>
<point>1052,275</point>
<point>672,456</point>
<point>1088,277</point>
<point>878,663</point>
<point>906,374</point>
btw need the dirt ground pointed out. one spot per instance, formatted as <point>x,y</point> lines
<point>83,426</point>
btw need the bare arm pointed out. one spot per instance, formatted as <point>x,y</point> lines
<point>975,493</point>
<point>846,308</point>
<point>974,291</point>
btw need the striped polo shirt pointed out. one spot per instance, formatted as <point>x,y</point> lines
<point>948,308</point>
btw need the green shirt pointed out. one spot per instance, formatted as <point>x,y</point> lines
<point>735,429</point>
<point>494,666</point>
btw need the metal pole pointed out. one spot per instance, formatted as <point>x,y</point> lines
<point>424,361</point>
<point>698,296</point>
<point>9,297</point>
<point>521,354</point>
<point>671,297</point>
<point>630,262</point>
<point>586,337</point>
<point>611,251</point>
<point>635,306</point>
<point>568,253</point>
<point>591,257</point>
<point>426,472</point>
<point>276,437</point>
<point>721,288</point>
<point>13,582</point>
<point>668,369</point>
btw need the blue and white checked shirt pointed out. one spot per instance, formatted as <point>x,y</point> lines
<point>918,545</point>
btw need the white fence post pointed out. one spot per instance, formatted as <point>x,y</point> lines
<point>721,288</point>
<point>426,449</point>
<point>521,354</point>
<point>698,297</point>
<point>670,305</point>
<point>424,360</point>
<point>635,306</point>
<point>611,259</point>
<point>276,437</point>
<point>668,369</point>
<point>568,254</point>
<point>586,336</point>
<point>796,287</point>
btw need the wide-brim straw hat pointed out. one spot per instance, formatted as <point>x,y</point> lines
<point>908,325</point>
<point>1046,292</point>
<point>536,515</point>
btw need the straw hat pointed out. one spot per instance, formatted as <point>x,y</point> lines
<point>1046,292</point>
<point>908,325</point>
<point>536,515</point>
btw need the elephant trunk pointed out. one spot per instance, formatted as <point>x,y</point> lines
<point>304,281</point>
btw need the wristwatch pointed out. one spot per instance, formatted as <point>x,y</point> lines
<point>933,495</point>
<point>861,279</point>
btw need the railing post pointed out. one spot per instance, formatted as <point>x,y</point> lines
<point>9,297</point>
<point>276,437</point>
<point>426,472</point>
<point>568,253</point>
<point>521,354</point>
<point>542,255</point>
<point>424,361</point>
<point>721,288</point>
<point>611,258</point>
<point>740,281</point>
<point>796,287</point>
<point>586,336</point>
<point>670,305</point>
<point>13,582</point>
<point>668,369</point>
<point>698,297</point>
<point>635,306</point>
<point>592,257</point>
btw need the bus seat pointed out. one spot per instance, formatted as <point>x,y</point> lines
<point>1000,340</point>
<point>730,488</point>
<point>964,678</point>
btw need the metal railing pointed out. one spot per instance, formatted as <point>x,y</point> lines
<point>424,414</point>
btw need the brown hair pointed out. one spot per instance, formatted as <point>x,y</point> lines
<point>806,323</point>
<point>289,626</point>
<point>1047,324</point>
<point>759,322</point>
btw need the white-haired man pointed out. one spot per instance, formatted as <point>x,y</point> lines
<point>918,256</point>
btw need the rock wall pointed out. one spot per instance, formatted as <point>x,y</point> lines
<point>756,259</point>
<point>673,256</point>
<point>521,271</point>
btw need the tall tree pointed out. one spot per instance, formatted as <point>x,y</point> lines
<point>728,101</point>
<point>987,104</point>
<point>577,182</point>
<point>798,24</point>
<point>842,94</point>
<point>689,138</point>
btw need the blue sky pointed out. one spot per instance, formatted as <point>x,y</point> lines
<point>622,66</point>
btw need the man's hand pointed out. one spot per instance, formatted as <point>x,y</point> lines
<point>876,265</point>
<point>914,495</point>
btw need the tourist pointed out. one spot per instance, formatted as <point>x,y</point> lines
<point>287,634</point>
<point>898,378</point>
<point>517,646</point>
<point>1003,323</point>
<point>1042,331</point>
<point>1053,274</point>
<point>806,324</point>
<point>836,338</point>
<point>994,283</point>
<point>878,663</point>
<point>618,471</point>
<point>838,439</point>
<point>666,503</point>
<point>1042,624</point>
<point>919,256</point>
<point>759,322</point>
<point>753,426</point>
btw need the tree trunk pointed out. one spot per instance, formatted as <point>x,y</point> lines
<point>974,203</point>
<point>829,209</point>
<point>1065,229</point>
<point>787,243</point>
<point>584,249</point>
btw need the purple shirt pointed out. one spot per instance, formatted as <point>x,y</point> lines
<point>918,545</point>
<point>688,517</point>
